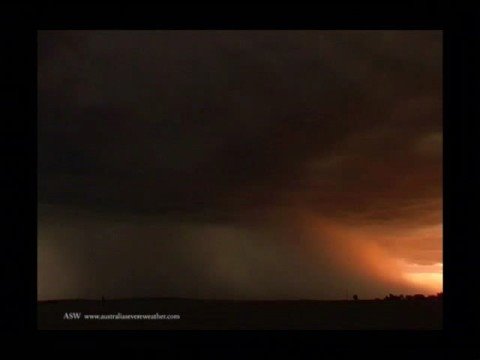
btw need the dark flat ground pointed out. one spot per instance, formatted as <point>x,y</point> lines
<point>226,314</point>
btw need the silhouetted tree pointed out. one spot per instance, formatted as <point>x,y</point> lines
<point>393,297</point>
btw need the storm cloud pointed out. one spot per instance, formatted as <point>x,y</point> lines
<point>237,164</point>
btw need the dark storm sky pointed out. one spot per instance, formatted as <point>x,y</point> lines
<point>244,164</point>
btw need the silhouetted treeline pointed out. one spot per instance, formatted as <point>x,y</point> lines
<point>392,297</point>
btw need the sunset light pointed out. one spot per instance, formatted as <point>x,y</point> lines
<point>429,277</point>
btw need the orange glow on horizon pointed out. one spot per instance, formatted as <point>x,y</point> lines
<point>380,253</point>
<point>426,276</point>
